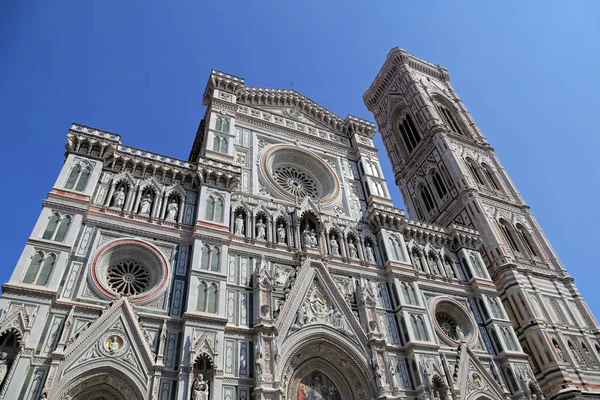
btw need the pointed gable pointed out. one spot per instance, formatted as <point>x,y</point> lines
<point>473,378</point>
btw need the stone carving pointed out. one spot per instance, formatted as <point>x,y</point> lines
<point>172,210</point>
<point>369,252</point>
<point>561,355</point>
<point>119,198</point>
<point>340,323</point>
<point>281,276</point>
<point>113,344</point>
<point>352,249</point>
<point>313,239</point>
<point>146,203</point>
<point>239,225</point>
<point>281,234</point>
<point>261,229</point>
<point>200,390</point>
<point>335,248</point>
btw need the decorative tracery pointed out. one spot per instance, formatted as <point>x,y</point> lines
<point>128,278</point>
<point>447,325</point>
<point>296,182</point>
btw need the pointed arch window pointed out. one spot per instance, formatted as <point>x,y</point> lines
<point>214,259</point>
<point>508,234</point>
<point>527,240</point>
<point>475,171</point>
<point>212,299</point>
<point>438,183</point>
<point>427,198</point>
<point>477,266</point>
<point>448,118</point>
<point>409,133</point>
<point>40,268</point>
<point>63,229</point>
<point>490,176</point>
<point>201,304</point>
<point>214,208</point>
<point>78,178</point>
<point>73,177</point>
<point>205,257</point>
<point>222,124</point>
<point>220,144</point>
<point>51,227</point>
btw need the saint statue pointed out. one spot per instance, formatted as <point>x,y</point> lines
<point>200,390</point>
<point>261,229</point>
<point>335,248</point>
<point>3,366</point>
<point>306,238</point>
<point>370,253</point>
<point>113,345</point>
<point>259,363</point>
<point>172,210</point>
<point>459,334</point>
<point>313,238</point>
<point>119,198</point>
<point>352,250</point>
<point>146,203</point>
<point>281,234</point>
<point>239,225</point>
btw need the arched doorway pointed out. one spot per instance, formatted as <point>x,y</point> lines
<point>101,384</point>
<point>317,364</point>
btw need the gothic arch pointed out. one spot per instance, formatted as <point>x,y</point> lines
<point>101,379</point>
<point>319,348</point>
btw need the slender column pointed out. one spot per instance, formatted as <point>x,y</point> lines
<point>181,210</point>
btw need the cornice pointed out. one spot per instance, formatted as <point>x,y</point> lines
<point>397,57</point>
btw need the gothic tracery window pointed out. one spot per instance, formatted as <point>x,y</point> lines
<point>57,227</point>
<point>474,169</point>
<point>222,124</point>
<point>438,183</point>
<point>508,234</point>
<point>490,176</point>
<point>427,197</point>
<point>78,178</point>
<point>128,278</point>
<point>40,268</point>
<point>448,117</point>
<point>526,239</point>
<point>409,133</point>
<point>214,208</point>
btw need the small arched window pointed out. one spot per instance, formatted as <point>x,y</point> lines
<point>73,177</point>
<point>415,326</point>
<point>409,133</point>
<point>475,171</point>
<point>224,143</point>
<point>216,143</point>
<point>422,328</point>
<point>508,234</point>
<point>51,227</point>
<point>214,259</point>
<point>119,166</point>
<point>526,239</point>
<point>427,198</point>
<point>477,266</point>
<point>448,118</point>
<point>407,298</point>
<point>210,208</point>
<point>212,299</point>
<point>129,167</point>
<point>201,304</point>
<point>62,229</point>
<point>483,308</point>
<point>205,257</point>
<point>490,176</point>
<point>96,149</point>
<point>83,180</point>
<point>218,210</point>
<point>40,268</point>
<point>438,183</point>
<point>222,124</point>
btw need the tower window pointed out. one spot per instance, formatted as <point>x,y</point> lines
<point>525,238</point>
<point>475,171</point>
<point>409,133</point>
<point>40,268</point>
<point>449,119</point>
<point>427,198</point>
<point>438,183</point>
<point>220,144</point>
<point>222,124</point>
<point>489,174</point>
<point>78,178</point>
<point>508,234</point>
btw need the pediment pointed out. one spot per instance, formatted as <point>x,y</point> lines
<point>115,338</point>
<point>474,379</point>
<point>315,299</point>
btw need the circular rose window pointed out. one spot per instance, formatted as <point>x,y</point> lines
<point>291,173</point>
<point>453,322</point>
<point>129,267</point>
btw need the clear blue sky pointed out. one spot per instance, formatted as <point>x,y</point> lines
<point>526,70</point>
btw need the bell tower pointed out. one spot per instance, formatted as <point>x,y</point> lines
<point>450,175</point>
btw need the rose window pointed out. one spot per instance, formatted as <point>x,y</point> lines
<point>296,182</point>
<point>128,278</point>
<point>447,325</point>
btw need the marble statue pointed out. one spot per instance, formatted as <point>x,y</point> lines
<point>261,229</point>
<point>460,334</point>
<point>259,364</point>
<point>146,203</point>
<point>239,225</point>
<point>335,248</point>
<point>370,253</point>
<point>281,234</point>
<point>313,239</point>
<point>172,210</point>
<point>352,249</point>
<point>119,198</point>
<point>200,390</point>
<point>306,238</point>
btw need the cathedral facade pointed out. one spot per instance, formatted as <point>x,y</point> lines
<point>272,263</point>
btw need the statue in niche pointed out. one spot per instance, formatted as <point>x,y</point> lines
<point>335,248</point>
<point>172,210</point>
<point>3,366</point>
<point>261,229</point>
<point>313,239</point>
<point>450,270</point>
<point>379,377</point>
<point>370,253</point>
<point>339,322</point>
<point>393,381</point>
<point>559,351</point>
<point>301,318</point>
<point>259,364</point>
<point>460,334</point>
<point>281,234</point>
<point>306,238</point>
<point>280,277</point>
<point>239,225</point>
<point>146,203</point>
<point>352,249</point>
<point>264,276</point>
<point>200,390</point>
<point>119,198</point>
